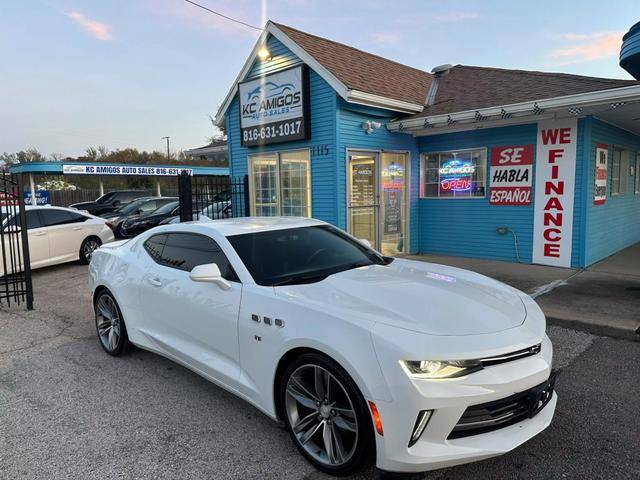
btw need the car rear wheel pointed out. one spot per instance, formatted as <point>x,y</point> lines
<point>326,415</point>
<point>87,248</point>
<point>110,326</point>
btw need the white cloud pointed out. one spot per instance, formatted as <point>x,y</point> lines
<point>587,47</point>
<point>385,37</point>
<point>456,16</point>
<point>96,29</point>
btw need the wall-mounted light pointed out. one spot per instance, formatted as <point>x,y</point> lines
<point>264,54</point>
<point>369,126</point>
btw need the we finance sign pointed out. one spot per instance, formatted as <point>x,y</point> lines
<point>554,192</point>
<point>273,108</point>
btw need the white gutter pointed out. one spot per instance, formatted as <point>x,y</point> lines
<point>600,97</point>
<point>369,99</point>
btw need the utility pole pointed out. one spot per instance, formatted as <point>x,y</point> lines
<point>168,157</point>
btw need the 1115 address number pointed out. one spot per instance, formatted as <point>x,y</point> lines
<point>272,131</point>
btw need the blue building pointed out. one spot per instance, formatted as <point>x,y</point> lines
<point>470,161</point>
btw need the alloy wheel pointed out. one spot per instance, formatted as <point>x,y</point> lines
<point>321,415</point>
<point>89,247</point>
<point>108,322</point>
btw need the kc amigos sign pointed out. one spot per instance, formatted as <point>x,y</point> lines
<point>274,108</point>
<point>139,170</point>
<point>554,192</point>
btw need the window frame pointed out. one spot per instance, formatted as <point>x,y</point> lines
<point>234,275</point>
<point>278,182</point>
<point>43,214</point>
<point>423,157</point>
<point>622,179</point>
<point>637,173</point>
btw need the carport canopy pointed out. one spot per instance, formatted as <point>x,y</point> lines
<point>100,170</point>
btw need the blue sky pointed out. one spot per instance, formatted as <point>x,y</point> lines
<point>126,72</point>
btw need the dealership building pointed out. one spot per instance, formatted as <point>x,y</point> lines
<point>511,165</point>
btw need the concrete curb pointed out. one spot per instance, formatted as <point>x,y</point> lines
<point>601,330</point>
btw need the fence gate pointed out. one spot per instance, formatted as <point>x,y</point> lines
<point>15,270</point>
<point>212,197</point>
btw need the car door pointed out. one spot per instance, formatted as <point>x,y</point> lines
<point>38,238</point>
<point>65,234</point>
<point>194,322</point>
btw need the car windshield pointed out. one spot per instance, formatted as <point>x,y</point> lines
<point>301,255</point>
<point>166,208</point>
<point>106,198</point>
<point>130,207</point>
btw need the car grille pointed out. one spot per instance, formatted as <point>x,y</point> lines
<point>490,416</point>
<point>509,357</point>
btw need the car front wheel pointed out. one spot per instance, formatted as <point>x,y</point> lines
<point>326,415</point>
<point>110,326</point>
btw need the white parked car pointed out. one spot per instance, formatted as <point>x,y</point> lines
<point>363,357</point>
<point>59,235</point>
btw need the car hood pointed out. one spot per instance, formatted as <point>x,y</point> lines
<point>424,297</point>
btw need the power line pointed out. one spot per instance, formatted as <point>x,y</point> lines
<point>223,16</point>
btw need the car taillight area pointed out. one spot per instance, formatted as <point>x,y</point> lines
<point>490,416</point>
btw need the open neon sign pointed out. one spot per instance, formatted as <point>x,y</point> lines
<point>455,176</point>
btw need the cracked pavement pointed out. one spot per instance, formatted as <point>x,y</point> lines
<point>67,410</point>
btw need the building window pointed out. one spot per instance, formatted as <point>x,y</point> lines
<point>455,174</point>
<point>637,172</point>
<point>619,171</point>
<point>280,183</point>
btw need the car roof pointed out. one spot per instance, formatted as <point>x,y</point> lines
<point>240,225</point>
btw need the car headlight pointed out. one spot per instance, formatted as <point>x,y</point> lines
<point>435,369</point>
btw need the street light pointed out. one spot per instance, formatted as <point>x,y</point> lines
<point>167,138</point>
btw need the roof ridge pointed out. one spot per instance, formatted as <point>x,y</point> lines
<point>352,48</point>
<point>544,74</point>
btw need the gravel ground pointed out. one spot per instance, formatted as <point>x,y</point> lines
<point>67,410</point>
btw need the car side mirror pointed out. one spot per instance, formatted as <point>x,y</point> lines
<point>209,273</point>
<point>365,242</point>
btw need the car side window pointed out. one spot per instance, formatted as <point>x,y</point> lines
<point>33,220</point>
<point>154,246</point>
<point>77,217</point>
<point>53,217</point>
<point>148,206</point>
<point>184,251</point>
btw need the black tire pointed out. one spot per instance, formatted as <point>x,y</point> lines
<point>105,303</point>
<point>89,245</point>
<point>363,447</point>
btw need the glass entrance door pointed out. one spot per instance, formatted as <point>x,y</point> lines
<point>363,196</point>
<point>378,199</point>
<point>393,203</point>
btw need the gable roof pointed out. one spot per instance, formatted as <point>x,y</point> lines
<point>467,87</point>
<point>363,71</point>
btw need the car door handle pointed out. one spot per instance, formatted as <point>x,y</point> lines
<point>77,228</point>
<point>39,234</point>
<point>154,281</point>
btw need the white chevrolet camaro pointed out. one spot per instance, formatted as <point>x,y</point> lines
<point>363,357</point>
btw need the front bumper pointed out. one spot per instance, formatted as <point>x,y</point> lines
<point>449,399</point>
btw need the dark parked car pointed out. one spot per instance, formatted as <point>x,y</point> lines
<point>135,209</point>
<point>133,226</point>
<point>110,201</point>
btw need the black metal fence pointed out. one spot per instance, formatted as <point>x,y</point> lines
<point>15,268</point>
<point>212,197</point>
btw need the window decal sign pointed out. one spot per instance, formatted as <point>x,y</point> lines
<point>554,192</point>
<point>142,170</point>
<point>455,176</point>
<point>510,176</point>
<point>273,108</point>
<point>602,160</point>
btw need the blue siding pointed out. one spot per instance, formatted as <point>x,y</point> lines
<point>323,132</point>
<point>616,224</point>
<point>352,136</point>
<point>281,58</point>
<point>467,227</point>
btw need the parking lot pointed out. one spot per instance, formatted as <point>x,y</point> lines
<point>67,410</point>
